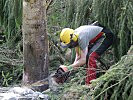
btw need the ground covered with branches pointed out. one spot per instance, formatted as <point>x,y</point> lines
<point>117,15</point>
<point>11,62</point>
<point>115,84</point>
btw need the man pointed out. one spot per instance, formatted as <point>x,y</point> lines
<point>82,38</point>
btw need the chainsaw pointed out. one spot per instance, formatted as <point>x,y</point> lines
<point>54,80</point>
<point>60,76</point>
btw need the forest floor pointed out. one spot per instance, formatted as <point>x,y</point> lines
<point>113,80</point>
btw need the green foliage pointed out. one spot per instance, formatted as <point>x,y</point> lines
<point>10,75</point>
<point>78,12</point>
<point>56,54</point>
<point>117,16</point>
<point>11,20</point>
<point>116,83</point>
<point>56,20</point>
<point>56,16</point>
<point>113,14</point>
<point>6,78</point>
<point>10,66</point>
<point>73,89</point>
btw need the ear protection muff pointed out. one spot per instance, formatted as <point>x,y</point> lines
<point>73,41</point>
<point>74,37</point>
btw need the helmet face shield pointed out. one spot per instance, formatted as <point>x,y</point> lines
<point>64,45</point>
<point>72,44</point>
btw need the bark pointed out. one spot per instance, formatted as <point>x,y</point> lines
<point>35,43</point>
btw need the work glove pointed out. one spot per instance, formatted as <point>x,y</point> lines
<point>62,74</point>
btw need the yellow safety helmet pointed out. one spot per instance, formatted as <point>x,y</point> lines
<point>67,36</point>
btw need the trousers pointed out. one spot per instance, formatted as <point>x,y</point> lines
<point>98,47</point>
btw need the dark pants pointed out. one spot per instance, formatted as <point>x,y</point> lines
<point>95,51</point>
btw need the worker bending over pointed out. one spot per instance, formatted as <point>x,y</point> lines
<point>82,38</point>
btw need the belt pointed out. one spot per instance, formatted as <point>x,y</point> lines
<point>96,38</point>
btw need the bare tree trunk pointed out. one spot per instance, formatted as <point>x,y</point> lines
<point>35,43</point>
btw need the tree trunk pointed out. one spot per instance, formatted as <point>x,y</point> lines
<point>35,43</point>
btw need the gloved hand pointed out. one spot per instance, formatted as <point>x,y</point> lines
<point>62,74</point>
<point>66,68</point>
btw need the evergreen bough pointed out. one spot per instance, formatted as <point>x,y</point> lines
<point>117,82</point>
